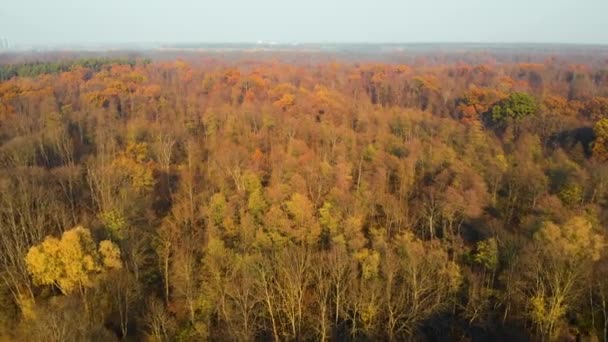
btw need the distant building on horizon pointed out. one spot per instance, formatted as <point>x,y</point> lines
<point>4,43</point>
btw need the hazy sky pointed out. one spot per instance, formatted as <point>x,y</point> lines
<point>121,21</point>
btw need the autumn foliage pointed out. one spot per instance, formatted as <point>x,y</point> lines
<point>266,200</point>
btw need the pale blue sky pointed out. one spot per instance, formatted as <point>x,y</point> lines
<point>120,21</point>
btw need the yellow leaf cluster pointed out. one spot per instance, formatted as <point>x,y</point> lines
<point>72,261</point>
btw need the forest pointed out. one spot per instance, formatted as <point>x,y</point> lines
<point>210,199</point>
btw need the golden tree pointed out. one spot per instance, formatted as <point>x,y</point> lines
<point>71,262</point>
<point>555,270</point>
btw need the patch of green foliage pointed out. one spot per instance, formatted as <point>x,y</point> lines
<point>515,107</point>
<point>32,69</point>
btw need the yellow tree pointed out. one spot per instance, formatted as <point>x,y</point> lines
<point>600,145</point>
<point>301,210</point>
<point>71,262</point>
<point>556,270</point>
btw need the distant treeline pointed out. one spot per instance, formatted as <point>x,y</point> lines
<point>32,69</point>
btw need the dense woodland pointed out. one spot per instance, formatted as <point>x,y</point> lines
<point>265,200</point>
<point>32,69</point>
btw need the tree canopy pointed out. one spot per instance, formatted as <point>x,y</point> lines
<point>304,198</point>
